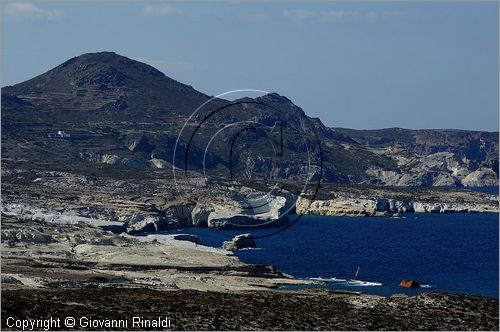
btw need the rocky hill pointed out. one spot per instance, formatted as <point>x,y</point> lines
<point>437,157</point>
<point>119,115</point>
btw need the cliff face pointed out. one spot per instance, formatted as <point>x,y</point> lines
<point>440,157</point>
<point>474,145</point>
<point>373,201</point>
<point>442,169</point>
<point>353,207</point>
<point>122,115</point>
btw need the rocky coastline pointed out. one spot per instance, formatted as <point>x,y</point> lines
<point>150,205</point>
<point>56,270</point>
<point>383,202</point>
<point>72,240</point>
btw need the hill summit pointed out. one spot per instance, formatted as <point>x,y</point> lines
<point>92,80</point>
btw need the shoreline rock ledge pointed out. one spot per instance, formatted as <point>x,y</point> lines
<point>241,241</point>
<point>366,206</point>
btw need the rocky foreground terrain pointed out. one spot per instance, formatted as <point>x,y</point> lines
<point>48,255</point>
<point>54,270</point>
<point>261,310</point>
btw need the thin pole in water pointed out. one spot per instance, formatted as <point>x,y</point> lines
<point>356,275</point>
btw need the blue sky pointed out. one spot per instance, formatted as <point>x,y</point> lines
<point>358,65</point>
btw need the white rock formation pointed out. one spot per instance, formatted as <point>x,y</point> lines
<point>480,178</point>
<point>348,206</point>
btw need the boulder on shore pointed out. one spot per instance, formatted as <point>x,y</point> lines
<point>144,223</point>
<point>239,242</point>
<point>409,284</point>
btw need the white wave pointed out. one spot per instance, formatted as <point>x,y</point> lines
<point>354,283</point>
<point>363,283</point>
<point>426,286</point>
<point>333,279</point>
<point>245,249</point>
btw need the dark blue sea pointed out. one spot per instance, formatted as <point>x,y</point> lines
<point>488,190</point>
<point>444,252</point>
